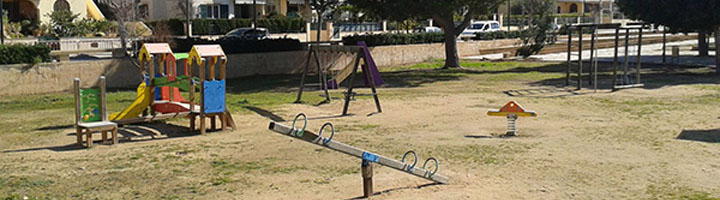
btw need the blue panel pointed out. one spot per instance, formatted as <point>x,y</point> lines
<point>158,90</point>
<point>214,96</point>
<point>370,157</point>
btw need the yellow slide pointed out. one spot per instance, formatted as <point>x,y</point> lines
<point>136,108</point>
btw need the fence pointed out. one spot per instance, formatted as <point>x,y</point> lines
<point>77,44</point>
<point>519,21</point>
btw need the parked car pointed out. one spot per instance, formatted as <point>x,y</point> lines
<point>248,33</point>
<point>480,27</point>
<point>427,29</point>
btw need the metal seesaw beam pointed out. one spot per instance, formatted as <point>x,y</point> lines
<point>360,153</point>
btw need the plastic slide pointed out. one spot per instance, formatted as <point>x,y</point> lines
<point>136,108</point>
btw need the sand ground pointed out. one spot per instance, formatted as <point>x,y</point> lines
<point>583,145</point>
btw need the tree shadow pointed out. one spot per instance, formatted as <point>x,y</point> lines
<point>127,134</point>
<point>398,189</point>
<point>265,113</point>
<point>710,136</point>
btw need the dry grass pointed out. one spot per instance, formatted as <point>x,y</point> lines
<point>584,145</point>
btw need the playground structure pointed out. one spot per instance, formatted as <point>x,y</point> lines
<point>367,157</point>
<point>159,96</point>
<point>625,78</point>
<point>512,110</point>
<point>90,114</point>
<point>363,59</point>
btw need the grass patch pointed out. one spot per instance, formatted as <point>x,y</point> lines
<point>666,191</point>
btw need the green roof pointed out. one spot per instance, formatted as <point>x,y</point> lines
<point>180,56</point>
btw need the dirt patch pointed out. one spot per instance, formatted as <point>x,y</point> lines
<point>656,143</point>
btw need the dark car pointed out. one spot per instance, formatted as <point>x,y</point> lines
<point>248,33</point>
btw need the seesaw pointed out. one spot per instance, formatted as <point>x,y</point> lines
<point>367,157</point>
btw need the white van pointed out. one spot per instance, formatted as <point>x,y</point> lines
<point>480,27</point>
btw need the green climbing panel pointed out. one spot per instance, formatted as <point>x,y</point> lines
<point>90,105</point>
<point>182,82</point>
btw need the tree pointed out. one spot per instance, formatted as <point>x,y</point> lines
<point>702,16</point>
<point>539,19</point>
<point>444,13</point>
<point>186,11</point>
<point>322,7</point>
<point>124,11</point>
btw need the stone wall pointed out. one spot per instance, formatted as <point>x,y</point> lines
<point>57,77</point>
<point>385,56</point>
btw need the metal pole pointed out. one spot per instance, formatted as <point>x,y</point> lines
<point>625,80</point>
<point>639,55</point>
<point>254,13</point>
<point>188,8</point>
<point>615,58</point>
<point>580,57</point>
<point>569,55</point>
<point>664,55</point>
<point>2,25</point>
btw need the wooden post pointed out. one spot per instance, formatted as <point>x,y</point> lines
<point>350,87</point>
<point>302,79</point>
<point>151,85</point>
<point>367,174</point>
<point>115,135</point>
<point>78,113</point>
<point>321,77</point>
<point>88,136</point>
<point>369,77</point>
<point>202,97</point>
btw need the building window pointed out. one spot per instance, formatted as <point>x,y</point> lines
<point>559,9</point>
<point>573,8</point>
<point>214,11</point>
<point>61,5</point>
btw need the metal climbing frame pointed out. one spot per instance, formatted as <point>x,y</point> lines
<point>626,81</point>
<point>367,157</point>
<point>592,79</point>
<point>625,78</point>
<point>315,50</point>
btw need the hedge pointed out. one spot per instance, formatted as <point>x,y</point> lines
<point>497,35</point>
<point>239,45</point>
<point>222,26</point>
<point>21,53</point>
<point>394,39</point>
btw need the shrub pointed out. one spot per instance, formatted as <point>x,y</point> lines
<point>222,26</point>
<point>394,39</point>
<point>21,53</point>
<point>497,35</point>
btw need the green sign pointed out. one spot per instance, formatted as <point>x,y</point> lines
<point>90,105</point>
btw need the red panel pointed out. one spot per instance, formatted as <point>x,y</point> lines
<point>169,108</point>
<point>512,107</point>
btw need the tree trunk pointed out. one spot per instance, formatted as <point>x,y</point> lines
<point>452,60</point>
<point>320,21</point>
<point>123,36</point>
<point>702,44</point>
<point>717,54</point>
